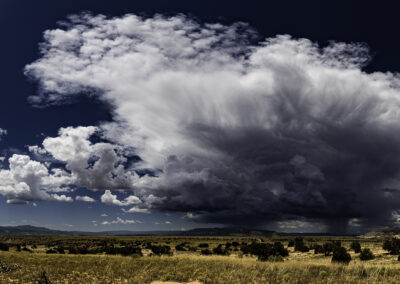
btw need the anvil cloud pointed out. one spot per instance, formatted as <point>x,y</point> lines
<point>227,130</point>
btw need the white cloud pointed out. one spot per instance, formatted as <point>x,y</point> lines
<point>162,223</point>
<point>28,180</point>
<point>112,199</point>
<point>104,215</point>
<point>62,198</point>
<point>119,221</point>
<point>84,198</point>
<point>94,166</point>
<point>136,209</point>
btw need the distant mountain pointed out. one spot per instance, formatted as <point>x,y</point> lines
<point>384,233</point>
<point>36,231</point>
<point>30,230</point>
<point>228,231</point>
<point>41,231</point>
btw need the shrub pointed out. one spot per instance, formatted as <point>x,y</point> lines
<point>291,243</point>
<point>328,248</point>
<point>127,250</point>
<point>318,249</point>
<point>180,247</point>
<point>72,250</point>
<point>203,245</point>
<point>393,246</point>
<point>60,250</point>
<point>355,245</point>
<point>4,247</point>
<point>264,250</point>
<point>50,251</point>
<point>159,250</point>
<point>341,255</point>
<point>220,251</point>
<point>279,249</point>
<point>206,252</point>
<point>300,246</point>
<point>366,254</point>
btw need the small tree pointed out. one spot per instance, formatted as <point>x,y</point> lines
<point>300,246</point>
<point>393,246</point>
<point>318,249</point>
<point>341,255</point>
<point>328,248</point>
<point>355,245</point>
<point>366,254</point>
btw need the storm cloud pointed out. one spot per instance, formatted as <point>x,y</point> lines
<point>229,131</point>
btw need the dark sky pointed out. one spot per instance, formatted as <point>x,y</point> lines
<point>22,26</point>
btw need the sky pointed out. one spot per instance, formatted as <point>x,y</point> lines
<point>172,115</point>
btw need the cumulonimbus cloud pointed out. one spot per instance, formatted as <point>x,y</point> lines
<point>233,131</point>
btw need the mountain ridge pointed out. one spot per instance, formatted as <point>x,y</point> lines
<point>29,230</point>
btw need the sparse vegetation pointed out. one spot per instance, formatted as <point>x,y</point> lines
<point>221,260</point>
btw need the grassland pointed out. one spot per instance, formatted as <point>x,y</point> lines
<point>185,266</point>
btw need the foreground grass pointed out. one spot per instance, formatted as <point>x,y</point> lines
<point>184,268</point>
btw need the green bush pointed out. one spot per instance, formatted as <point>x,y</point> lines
<point>300,246</point>
<point>318,249</point>
<point>220,251</point>
<point>355,245</point>
<point>341,255</point>
<point>264,250</point>
<point>159,250</point>
<point>393,246</point>
<point>366,254</point>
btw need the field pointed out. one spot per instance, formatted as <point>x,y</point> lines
<point>190,259</point>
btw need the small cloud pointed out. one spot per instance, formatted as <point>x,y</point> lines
<point>163,223</point>
<point>104,215</point>
<point>120,221</point>
<point>112,199</point>
<point>136,209</point>
<point>62,198</point>
<point>84,198</point>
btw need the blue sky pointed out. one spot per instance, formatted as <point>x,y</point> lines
<point>163,115</point>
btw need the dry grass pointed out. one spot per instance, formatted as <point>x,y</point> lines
<point>188,267</point>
